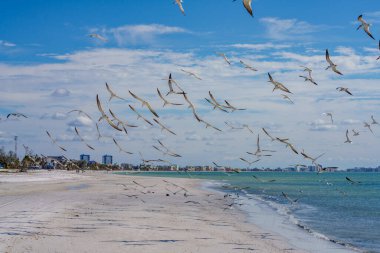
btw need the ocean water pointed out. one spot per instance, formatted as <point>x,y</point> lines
<point>327,206</point>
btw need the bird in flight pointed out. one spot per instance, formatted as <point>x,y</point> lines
<point>374,122</point>
<point>104,115</point>
<point>331,64</point>
<point>166,102</point>
<point>163,127</point>
<point>355,133</point>
<point>113,94</point>
<point>233,108</point>
<point>55,142</point>
<point>191,74</point>
<point>308,78</point>
<point>368,126</point>
<point>179,3</point>
<point>16,114</point>
<point>344,89</point>
<point>81,138</point>
<point>378,58</point>
<point>277,85</point>
<point>248,162</point>
<point>144,103</point>
<point>120,148</point>
<point>225,58</point>
<point>347,138</point>
<point>247,6</point>
<point>287,98</point>
<point>329,114</point>
<point>97,36</point>
<point>140,116</point>
<point>247,66</point>
<point>365,26</point>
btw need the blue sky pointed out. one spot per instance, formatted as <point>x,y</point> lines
<point>49,65</point>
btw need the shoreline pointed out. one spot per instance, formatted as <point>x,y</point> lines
<point>63,211</point>
<point>266,216</point>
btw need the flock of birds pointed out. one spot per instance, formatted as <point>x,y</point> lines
<point>174,89</point>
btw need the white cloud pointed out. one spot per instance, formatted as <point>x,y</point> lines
<point>84,73</point>
<point>4,43</point>
<point>261,46</point>
<point>287,29</point>
<point>137,34</point>
<point>61,92</point>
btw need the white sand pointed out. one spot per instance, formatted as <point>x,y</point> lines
<point>99,212</point>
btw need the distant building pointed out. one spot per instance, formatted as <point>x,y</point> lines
<point>107,159</point>
<point>52,162</point>
<point>85,158</point>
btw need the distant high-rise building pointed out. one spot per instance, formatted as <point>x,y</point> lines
<point>84,157</point>
<point>107,159</point>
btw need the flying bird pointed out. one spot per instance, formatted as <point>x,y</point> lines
<point>249,163</point>
<point>277,85</point>
<point>308,78</point>
<point>164,127</point>
<point>179,3</point>
<point>104,116</point>
<point>232,127</point>
<point>352,181</point>
<point>289,199</point>
<point>344,89</point>
<point>233,108</point>
<point>113,94</point>
<point>374,122</point>
<point>81,113</point>
<point>225,58</point>
<point>166,102</point>
<point>329,114</point>
<point>309,157</point>
<point>347,138</point>
<point>191,74</point>
<point>265,131</point>
<point>331,64</point>
<point>17,115</point>
<point>248,128</point>
<point>120,148</point>
<point>365,26</point>
<point>355,133</point>
<point>97,36</point>
<point>55,142</point>
<point>368,126</point>
<point>216,105</point>
<point>247,66</point>
<point>171,81</point>
<point>287,98</point>
<point>140,116</point>
<point>247,6</point>
<point>144,103</point>
<point>378,58</point>
<point>81,138</point>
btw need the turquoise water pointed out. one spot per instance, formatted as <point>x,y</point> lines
<point>328,204</point>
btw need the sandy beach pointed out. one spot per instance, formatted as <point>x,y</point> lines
<point>62,211</point>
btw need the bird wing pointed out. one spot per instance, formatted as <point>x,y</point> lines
<point>328,57</point>
<point>248,7</point>
<point>136,97</point>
